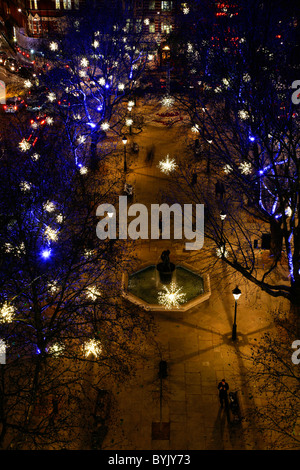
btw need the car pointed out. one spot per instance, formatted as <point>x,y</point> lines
<point>11,65</point>
<point>69,100</point>
<point>13,104</point>
<point>35,103</point>
<point>3,57</point>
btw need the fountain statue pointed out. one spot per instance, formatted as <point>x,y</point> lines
<point>165,268</point>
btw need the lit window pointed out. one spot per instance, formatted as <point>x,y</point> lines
<point>166,5</point>
<point>67,4</point>
<point>152,5</point>
<point>57,4</point>
<point>76,3</point>
<point>152,26</point>
<point>166,28</point>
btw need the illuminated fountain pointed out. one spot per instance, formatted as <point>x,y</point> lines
<point>166,286</point>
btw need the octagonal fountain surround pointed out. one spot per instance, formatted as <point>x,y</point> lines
<point>145,286</point>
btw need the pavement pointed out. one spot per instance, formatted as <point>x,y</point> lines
<point>182,412</point>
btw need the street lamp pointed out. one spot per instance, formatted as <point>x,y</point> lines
<point>236,294</point>
<point>124,140</point>
<point>222,217</point>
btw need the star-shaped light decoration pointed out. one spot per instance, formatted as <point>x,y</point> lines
<point>168,101</point>
<point>93,293</point>
<point>168,165</point>
<point>24,145</point>
<point>92,347</point>
<point>245,168</point>
<point>105,126</point>
<point>51,234</point>
<point>27,84</point>
<point>51,96</point>
<point>227,169</point>
<point>49,206</point>
<point>243,114</point>
<point>171,296</point>
<point>222,252</point>
<point>7,312</point>
<point>53,46</point>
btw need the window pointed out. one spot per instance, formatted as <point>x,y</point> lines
<point>57,4</point>
<point>33,5</point>
<point>77,4</point>
<point>166,5</point>
<point>34,24</point>
<point>166,27</point>
<point>152,5</point>
<point>152,26</point>
<point>67,4</point>
<point>138,25</point>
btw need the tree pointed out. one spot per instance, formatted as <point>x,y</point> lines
<point>273,380</point>
<point>238,99</point>
<point>60,305</point>
<point>95,63</point>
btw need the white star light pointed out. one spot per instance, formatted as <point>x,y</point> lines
<point>245,168</point>
<point>227,169</point>
<point>167,165</point>
<point>27,84</point>
<point>53,46</point>
<point>195,128</point>
<point>56,349</point>
<point>243,115</point>
<point>168,101</point>
<point>7,313</point>
<point>84,62</point>
<point>171,296</point>
<point>51,96</point>
<point>25,186</point>
<point>105,126</point>
<point>24,145</point>
<point>49,120</point>
<point>51,234</point>
<point>129,122</point>
<point>93,293</point>
<point>83,170</point>
<point>49,206</point>
<point>93,347</point>
<point>222,252</point>
<point>81,139</point>
<point>35,156</point>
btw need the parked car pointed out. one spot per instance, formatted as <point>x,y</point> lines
<point>11,65</point>
<point>35,103</point>
<point>3,57</point>
<point>13,104</point>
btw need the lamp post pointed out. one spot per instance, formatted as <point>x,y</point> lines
<point>236,294</point>
<point>124,140</point>
<point>222,217</point>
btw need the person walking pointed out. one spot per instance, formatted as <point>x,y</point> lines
<point>223,387</point>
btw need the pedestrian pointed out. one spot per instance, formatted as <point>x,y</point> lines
<point>223,387</point>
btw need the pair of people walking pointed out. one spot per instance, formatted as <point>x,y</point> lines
<point>223,388</point>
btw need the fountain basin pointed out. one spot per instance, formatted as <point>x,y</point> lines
<point>143,287</point>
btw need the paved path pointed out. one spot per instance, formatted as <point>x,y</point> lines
<point>197,345</point>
